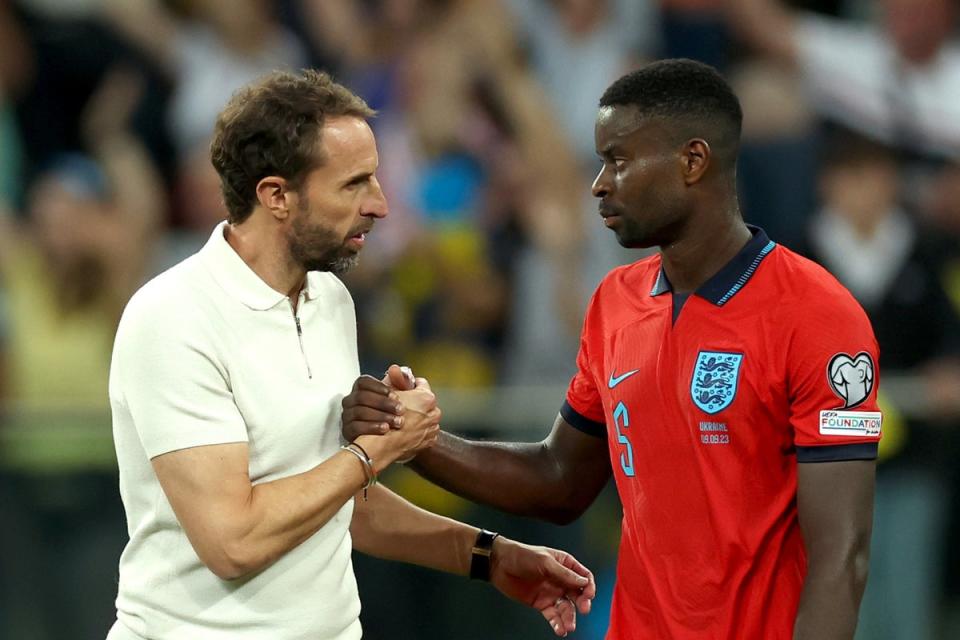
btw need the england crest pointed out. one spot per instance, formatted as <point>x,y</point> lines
<point>714,383</point>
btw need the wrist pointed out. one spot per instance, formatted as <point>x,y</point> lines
<point>369,472</point>
<point>482,555</point>
<point>377,448</point>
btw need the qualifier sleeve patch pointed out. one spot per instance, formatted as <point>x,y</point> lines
<point>850,423</point>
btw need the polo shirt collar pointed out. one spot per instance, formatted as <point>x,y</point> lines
<point>733,276</point>
<point>239,280</point>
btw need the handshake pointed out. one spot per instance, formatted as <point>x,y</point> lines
<point>394,419</point>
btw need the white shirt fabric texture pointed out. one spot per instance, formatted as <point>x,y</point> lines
<point>207,353</point>
<point>854,76</point>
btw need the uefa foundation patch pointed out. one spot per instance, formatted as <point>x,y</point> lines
<point>850,423</point>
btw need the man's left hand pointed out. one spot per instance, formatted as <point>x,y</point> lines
<point>549,580</point>
<point>373,407</point>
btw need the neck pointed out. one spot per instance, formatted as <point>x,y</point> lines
<point>264,252</point>
<point>703,249</point>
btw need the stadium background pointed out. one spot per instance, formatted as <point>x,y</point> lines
<point>479,277</point>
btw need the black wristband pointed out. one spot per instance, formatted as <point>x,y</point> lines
<point>480,555</point>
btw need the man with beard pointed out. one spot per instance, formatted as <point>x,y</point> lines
<point>727,384</point>
<point>226,385</point>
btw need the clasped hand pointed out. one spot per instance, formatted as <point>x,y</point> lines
<point>403,410</point>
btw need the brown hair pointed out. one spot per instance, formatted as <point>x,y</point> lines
<point>273,127</point>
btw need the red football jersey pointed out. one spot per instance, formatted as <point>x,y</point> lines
<point>708,402</point>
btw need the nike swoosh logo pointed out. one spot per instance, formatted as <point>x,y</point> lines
<point>614,381</point>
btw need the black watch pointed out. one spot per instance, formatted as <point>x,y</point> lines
<point>480,555</point>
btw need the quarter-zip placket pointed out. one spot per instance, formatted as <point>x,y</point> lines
<point>303,352</point>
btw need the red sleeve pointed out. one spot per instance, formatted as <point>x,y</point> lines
<point>832,378</point>
<point>583,407</point>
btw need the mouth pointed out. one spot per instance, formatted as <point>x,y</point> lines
<point>360,237</point>
<point>607,211</point>
<point>610,216</point>
<point>611,221</point>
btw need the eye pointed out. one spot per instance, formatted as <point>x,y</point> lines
<point>356,182</point>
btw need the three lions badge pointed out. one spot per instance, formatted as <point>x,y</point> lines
<point>715,377</point>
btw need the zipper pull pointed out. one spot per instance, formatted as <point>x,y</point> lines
<point>299,330</point>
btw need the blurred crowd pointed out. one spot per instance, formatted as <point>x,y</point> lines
<point>479,276</point>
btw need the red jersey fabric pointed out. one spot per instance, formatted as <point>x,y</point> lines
<point>707,412</point>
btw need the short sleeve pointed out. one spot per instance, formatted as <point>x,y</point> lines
<point>167,374</point>
<point>833,379</point>
<point>583,407</point>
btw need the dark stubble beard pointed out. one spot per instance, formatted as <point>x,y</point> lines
<point>317,248</point>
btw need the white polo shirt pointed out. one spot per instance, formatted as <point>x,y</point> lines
<point>207,353</point>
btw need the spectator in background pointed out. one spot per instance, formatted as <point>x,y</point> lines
<point>569,43</point>
<point>68,267</point>
<point>216,48</point>
<point>15,71</point>
<point>585,44</point>
<point>942,209</point>
<point>198,207</point>
<point>5,231</point>
<point>71,266</point>
<point>477,170</point>
<point>893,267</point>
<point>897,82</point>
<point>16,67</point>
<point>695,29</point>
<point>207,50</point>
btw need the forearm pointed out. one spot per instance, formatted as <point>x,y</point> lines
<point>246,532</point>
<point>280,515</point>
<point>831,598</point>
<point>147,25</point>
<point>137,186</point>
<point>835,506</point>
<point>520,478</point>
<point>387,526</point>
<point>139,201</point>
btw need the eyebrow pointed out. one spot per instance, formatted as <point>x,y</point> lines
<point>609,150</point>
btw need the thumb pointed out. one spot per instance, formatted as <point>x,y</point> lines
<point>400,378</point>
<point>422,383</point>
<point>564,577</point>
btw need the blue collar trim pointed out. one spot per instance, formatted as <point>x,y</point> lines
<point>732,277</point>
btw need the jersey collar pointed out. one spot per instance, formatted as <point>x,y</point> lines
<point>733,276</point>
<point>239,280</point>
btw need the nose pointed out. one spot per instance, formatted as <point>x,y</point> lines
<point>601,184</point>
<point>375,204</point>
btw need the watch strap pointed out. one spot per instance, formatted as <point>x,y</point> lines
<point>480,555</point>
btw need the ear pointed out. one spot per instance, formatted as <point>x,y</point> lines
<point>273,195</point>
<point>696,160</point>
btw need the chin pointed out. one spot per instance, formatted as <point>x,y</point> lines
<point>629,241</point>
<point>343,264</point>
